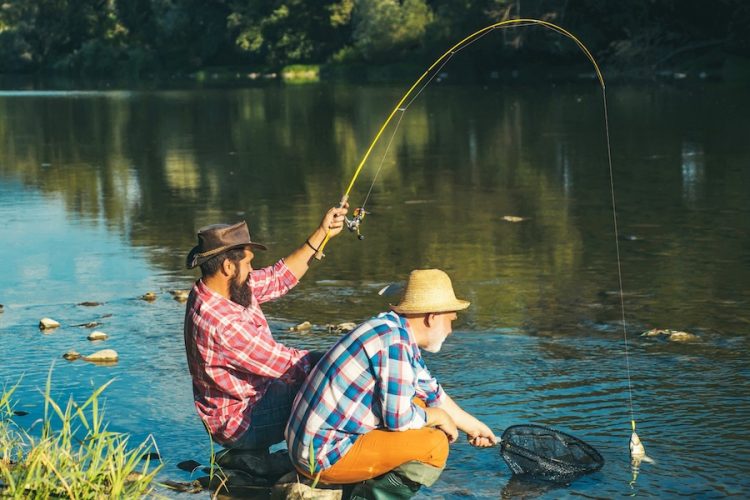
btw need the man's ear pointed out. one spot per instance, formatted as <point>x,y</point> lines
<point>428,319</point>
<point>227,267</point>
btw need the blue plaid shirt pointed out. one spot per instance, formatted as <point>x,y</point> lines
<point>366,381</point>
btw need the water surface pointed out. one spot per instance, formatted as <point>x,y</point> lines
<point>101,194</point>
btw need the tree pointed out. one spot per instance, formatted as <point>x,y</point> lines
<point>383,28</point>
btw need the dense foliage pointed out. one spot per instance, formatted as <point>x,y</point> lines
<point>133,37</point>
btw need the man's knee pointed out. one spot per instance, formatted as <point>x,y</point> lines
<point>437,443</point>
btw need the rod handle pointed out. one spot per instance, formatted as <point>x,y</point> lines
<point>319,254</point>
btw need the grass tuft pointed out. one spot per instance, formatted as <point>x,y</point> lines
<point>75,456</point>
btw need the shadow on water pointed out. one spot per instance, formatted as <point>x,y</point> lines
<point>101,194</point>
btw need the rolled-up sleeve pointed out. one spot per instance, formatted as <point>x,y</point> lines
<point>272,282</point>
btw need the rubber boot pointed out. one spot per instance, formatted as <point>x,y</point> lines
<point>389,486</point>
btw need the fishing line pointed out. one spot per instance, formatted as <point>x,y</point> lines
<point>420,84</point>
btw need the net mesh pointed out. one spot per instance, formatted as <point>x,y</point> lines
<point>545,453</point>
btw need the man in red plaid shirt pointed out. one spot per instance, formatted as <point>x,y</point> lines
<point>244,382</point>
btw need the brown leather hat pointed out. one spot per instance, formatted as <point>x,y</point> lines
<point>218,238</point>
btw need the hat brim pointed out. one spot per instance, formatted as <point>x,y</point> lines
<point>194,259</point>
<point>458,305</point>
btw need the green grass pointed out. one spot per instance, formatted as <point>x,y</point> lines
<point>301,73</point>
<point>75,456</point>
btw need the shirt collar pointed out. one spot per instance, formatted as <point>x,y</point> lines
<point>209,295</point>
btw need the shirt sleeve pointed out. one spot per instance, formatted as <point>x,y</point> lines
<point>428,388</point>
<point>248,352</point>
<point>272,282</point>
<point>396,389</point>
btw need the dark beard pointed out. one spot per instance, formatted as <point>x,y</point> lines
<point>239,291</point>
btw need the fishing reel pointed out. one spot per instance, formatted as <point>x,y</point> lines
<point>358,215</point>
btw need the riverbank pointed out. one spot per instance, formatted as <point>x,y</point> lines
<point>714,66</point>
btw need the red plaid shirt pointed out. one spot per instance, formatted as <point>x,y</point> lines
<point>232,355</point>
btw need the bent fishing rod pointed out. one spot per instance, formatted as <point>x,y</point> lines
<point>421,83</point>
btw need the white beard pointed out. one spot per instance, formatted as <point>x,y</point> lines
<point>434,346</point>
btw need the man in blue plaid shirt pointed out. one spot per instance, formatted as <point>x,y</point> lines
<point>370,413</point>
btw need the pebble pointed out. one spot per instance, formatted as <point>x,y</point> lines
<point>97,335</point>
<point>48,324</point>
<point>302,327</point>
<point>103,356</point>
<point>672,335</point>
<point>71,355</point>
<point>683,337</point>
<point>133,477</point>
<point>148,296</point>
<point>180,295</point>
<point>341,327</point>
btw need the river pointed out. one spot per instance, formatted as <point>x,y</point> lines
<point>101,193</point>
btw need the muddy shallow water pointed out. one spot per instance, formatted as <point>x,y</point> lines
<point>101,193</point>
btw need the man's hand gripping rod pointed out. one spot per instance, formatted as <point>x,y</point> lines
<point>319,254</point>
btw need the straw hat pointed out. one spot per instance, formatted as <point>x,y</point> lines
<point>429,291</point>
<point>218,238</point>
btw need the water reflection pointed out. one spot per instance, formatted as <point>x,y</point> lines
<point>692,171</point>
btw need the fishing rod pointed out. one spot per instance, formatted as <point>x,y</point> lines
<point>413,92</point>
<point>431,71</point>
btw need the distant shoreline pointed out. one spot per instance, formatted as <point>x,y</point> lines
<point>716,69</point>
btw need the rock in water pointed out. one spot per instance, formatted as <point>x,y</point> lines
<point>297,487</point>
<point>90,304</point>
<point>71,355</point>
<point>98,336</point>
<point>513,218</point>
<point>148,296</point>
<point>180,295</point>
<point>2,308</point>
<point>302,327</point>
<point>683,337</point>
<point>341,327</point>
<point>103,356</point>
<point>48,324</point>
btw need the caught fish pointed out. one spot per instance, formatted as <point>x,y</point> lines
<point>638,451</point>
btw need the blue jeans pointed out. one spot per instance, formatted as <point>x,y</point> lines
<point>269,417</point>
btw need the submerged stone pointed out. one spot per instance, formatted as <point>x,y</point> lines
<point>180,295</point>
<point>671,335</point>
<point>183,487</point>
<point>90,304</point>
<point>48,324</point>
<point>148,296</point>
<point>97,335</point>
<point>2,308</point>
<point>103,356</point>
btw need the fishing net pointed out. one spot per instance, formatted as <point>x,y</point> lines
<point>545,453</point>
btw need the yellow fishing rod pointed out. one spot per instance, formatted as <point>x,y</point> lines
<point>439,62</point>
<point>422,82</point>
